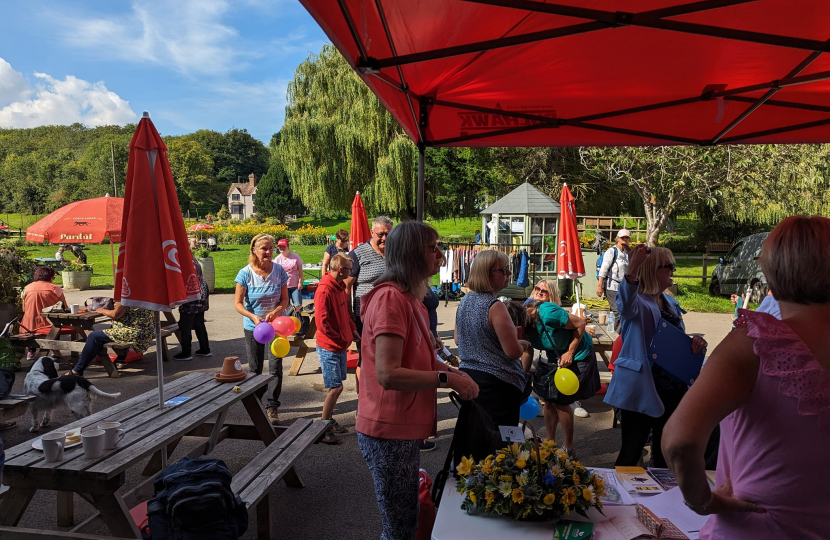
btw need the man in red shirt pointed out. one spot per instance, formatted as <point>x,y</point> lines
<point>335,332</point>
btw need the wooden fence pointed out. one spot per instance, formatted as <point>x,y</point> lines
<point>717,247</point>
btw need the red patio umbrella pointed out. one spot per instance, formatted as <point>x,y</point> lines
<point>360,225</point>
<point>88,222</point>
<point>153,272</point>
<point>569,263</point>
<point>200,227</point>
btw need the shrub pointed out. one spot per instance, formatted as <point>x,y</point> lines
<point>77,267</point>
<point>310,235</point>
<point>242,233</point>
<point>201,253</point>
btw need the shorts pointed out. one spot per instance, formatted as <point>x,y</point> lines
<point>334,367</point>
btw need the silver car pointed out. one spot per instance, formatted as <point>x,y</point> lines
<point>740,270</point>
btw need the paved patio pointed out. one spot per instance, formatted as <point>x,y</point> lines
<point>338,499</point>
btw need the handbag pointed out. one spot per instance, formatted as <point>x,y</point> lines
<point>97,302</point>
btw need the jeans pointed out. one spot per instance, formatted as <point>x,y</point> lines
<point>612,302</point>
<point>296,297</point>
<point>257,352</point>
<point>394,466</point>
<point>333,365</point>
<point>94,345</point>
<point>189,322</point>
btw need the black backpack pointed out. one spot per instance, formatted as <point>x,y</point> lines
<point>193,500</point>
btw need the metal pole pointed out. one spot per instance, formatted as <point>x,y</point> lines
<point>114,186</point>
<point>419,210</point>
<point>159,365</point>
<point>112,259</point>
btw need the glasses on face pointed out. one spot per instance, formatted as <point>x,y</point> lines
<point>381,234</point>
<point>346,269</point>
<point>541,291</point>
<point>505,270</point>
<point>670,266</point>
<point>433,248</point>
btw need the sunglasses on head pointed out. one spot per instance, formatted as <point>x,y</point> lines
<point>541,291</point>
<point>670,266</point>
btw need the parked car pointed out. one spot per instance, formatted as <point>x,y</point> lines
<point>740,269</point>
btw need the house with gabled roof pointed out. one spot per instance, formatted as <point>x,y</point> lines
<point>241,198</point>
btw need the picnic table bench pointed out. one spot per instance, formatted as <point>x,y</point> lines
<point>16,533</point>
<point>153,433</point>
<point>603,344</point>
<point>13,406</point>
<point>303,343</point>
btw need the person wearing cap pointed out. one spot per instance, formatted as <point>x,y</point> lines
<point>614,264</point>
<point>293,266</point>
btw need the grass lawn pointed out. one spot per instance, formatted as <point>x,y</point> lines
<point>692,295</point>
<point>21,221</point>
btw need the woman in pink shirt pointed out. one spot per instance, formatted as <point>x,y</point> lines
<point>768,385</point>
<point>293,266</point>
<point>397,404</point>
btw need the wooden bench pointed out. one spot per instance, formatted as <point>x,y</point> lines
<point>254,482</point>
<point>17,533</point>
<point>121,349</point>
<point>14,406</point>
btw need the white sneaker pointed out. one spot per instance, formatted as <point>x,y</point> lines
<point>579,412</point>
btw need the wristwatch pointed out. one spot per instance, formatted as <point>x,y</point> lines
<point>443,379</point>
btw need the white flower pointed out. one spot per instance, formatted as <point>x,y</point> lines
<point>524,454</point>
<point>522,478</point>
<point>505,488</point>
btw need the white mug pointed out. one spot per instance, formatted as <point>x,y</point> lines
<point>74,308</point>
<point>53,444</point>
<point>112,434</point>
<point>93,443</point>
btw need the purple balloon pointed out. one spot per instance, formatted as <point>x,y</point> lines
<point>264,333</point>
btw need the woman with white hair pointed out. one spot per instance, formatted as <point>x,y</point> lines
<point>768,387</point>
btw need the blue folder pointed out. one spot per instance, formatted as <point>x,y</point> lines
<point>671,349</point>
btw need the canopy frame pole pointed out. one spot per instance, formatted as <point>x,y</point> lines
<point>350,23</point>
<point>112,260</point>
<point>419,210</point>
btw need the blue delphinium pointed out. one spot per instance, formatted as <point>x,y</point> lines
<point>549,479</point>
<point>471,481</point>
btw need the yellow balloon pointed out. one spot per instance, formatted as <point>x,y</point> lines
<point>280,347</point>
<point>297,324</point>
<point>566,381</point>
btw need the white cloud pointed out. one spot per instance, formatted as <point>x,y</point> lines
<point>12,84</point>
<point>56,101</point>
<point>186,35</point>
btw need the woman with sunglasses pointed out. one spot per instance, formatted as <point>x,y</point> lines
<point>566,343</point>
<point>645,393</point>
<point>488,344</point>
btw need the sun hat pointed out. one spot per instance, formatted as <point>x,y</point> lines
<point>282,243</point>
<point>231,370</point>
<point>623,232</point>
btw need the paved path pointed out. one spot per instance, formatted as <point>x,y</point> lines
<point>338,498</point>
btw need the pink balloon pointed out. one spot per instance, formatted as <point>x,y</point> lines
<point>284,326</point>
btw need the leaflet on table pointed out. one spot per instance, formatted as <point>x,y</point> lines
<point>615,494</point>
<point>176,400</point>
<point>621,528</point>
<point>664,477</point>
<point>669,505</point>
<point>636,480</point>
<point>573,530</point>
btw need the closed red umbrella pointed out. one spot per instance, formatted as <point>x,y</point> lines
<point>155,269</point>
<point>569,263</point>
<point>360,225</point>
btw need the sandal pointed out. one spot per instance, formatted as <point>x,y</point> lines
<point>329,437</point>
<point>337,428</point>
<point>72,372</point>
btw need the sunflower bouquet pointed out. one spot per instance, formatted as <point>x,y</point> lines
<point>528,481</point>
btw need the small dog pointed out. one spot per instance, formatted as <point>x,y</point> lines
<point>76,392</point>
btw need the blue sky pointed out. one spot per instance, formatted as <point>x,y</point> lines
<point>214,64</point>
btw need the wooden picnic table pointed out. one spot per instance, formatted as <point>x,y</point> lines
<point>149,433</point>
<point>303,344</point>
<point>13,406</point>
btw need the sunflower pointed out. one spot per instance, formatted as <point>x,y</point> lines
<point>549,499</point>
<point>520,463</point>
<point>466,466</point>
<point>589,495</point>
<point>568,496</point>
<point>518,496</point>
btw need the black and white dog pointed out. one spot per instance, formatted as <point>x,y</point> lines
<point>49,390</point>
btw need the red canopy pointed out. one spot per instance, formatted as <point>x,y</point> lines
<point>359,232</point>
<point>86,222</point>
<point>155,268</point>
<point>591,72</point>
<point>569,256</point>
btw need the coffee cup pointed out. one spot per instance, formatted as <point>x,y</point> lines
<point>74,308</point>
<point>112,434</point>
<point>53,444</point>
<point>603,318</point>
<point>93,443</point>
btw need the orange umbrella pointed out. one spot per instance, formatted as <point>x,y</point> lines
<point>200,227</point>
<point>569,263</point>
<point>360,225</point>
<point>153,272</point>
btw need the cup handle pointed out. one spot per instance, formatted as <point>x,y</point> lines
<point>121,433</point>
<point>60,444</point>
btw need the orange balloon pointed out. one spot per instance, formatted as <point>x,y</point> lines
<point>297,324</point>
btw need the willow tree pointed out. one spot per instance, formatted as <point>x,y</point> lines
<point>338,139</point>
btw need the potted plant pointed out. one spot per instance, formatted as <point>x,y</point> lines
<point>208,272</point>
<point>15,271</point>
<point>77,275</point>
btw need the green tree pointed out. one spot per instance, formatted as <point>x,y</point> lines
<point>235,153</point>
<point>338,139</point>
<point>274,197</point>
<point>192,168</point>
<point>223,213</point>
